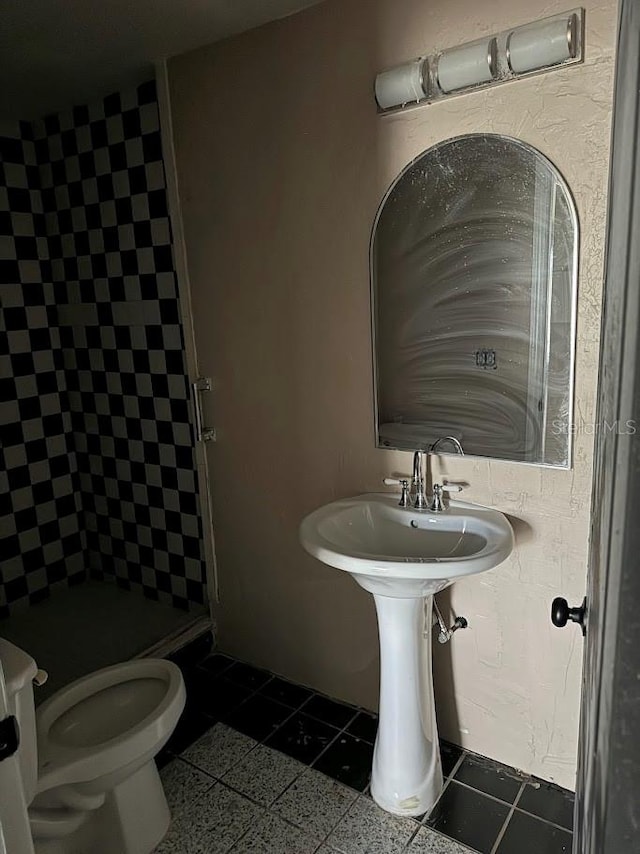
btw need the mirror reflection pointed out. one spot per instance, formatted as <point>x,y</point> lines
<point>473,266</point>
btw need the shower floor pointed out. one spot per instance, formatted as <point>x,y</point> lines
<point>91,625</point>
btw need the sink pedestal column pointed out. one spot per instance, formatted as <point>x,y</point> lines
<point>407,774</point>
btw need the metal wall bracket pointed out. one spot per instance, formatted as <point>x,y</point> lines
<point>203,434</point>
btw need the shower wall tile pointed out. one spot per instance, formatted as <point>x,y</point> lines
<point>97,467</point>
<point>104,202</point>
<point>42,542</point>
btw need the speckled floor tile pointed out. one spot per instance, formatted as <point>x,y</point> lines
<point>263,774</point>
<point>219,749</point>
<point>271,835</point>
<point>315,802</point>
<point>182,784</point>
<point>366,829</point>
<point>427,841</point>
<point>210,824</point>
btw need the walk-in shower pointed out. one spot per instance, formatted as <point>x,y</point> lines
<point>101,535</point>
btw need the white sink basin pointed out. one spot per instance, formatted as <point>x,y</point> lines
<point>402,552</point>
<point>403,556</point>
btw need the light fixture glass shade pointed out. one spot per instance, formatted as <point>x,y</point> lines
<point>543,44</point>
<point>402,85</point>
<point>467,66</point>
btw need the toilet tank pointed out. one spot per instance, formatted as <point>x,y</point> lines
<point>19,671</point>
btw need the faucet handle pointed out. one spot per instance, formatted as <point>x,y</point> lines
<point>404,484</point>
<point>436,505</point>
<point>453,487</point>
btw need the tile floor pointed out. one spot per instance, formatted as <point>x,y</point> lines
<point>258,764</point>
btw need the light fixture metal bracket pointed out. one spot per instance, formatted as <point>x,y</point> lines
<point>533,48</point>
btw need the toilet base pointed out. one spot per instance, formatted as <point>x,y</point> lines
<point>133,820</point>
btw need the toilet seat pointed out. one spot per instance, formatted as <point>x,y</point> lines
<point>107,723</point>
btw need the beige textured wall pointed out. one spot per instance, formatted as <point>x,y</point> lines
<point>281,163</point>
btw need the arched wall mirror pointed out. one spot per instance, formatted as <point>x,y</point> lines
<point>474,259</point>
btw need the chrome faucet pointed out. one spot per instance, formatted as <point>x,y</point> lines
<point>417,481</point>
<point>416,497</point>
<point>456,444</point>
<point>437,505</point>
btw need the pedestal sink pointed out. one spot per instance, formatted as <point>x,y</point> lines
<point>403,556</point>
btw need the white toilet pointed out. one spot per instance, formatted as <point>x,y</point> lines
<point>87,754</point>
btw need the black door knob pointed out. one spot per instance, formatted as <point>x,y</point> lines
<point>561,613</point>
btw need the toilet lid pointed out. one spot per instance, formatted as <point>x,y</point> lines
<point>107,720</point>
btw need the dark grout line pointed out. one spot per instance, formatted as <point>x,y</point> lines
<point>281,724</point>
<point>545,820</point>
<point>445,786</point>
<point>315,771</point>
<point>267,809</point>
<point>322,839</point>
<point>259,690</point>
<point>179,756</point>
<point>443,835</point>
<point>420,822</point>
<point>191,764</point>
<point>340,731</point>
<point>299,708</point>
<point>503,829</point>
<point>324,750</point>
<point>456,767</point>
<point>200,665</point>
<point>306,768</point>
<point>274,730</point>
<point>252,693</point>
<point>252,799</point>
<point>409,842</point>
<point>486,794</point>
<point>356,712</point>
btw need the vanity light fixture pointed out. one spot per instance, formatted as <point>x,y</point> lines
<point>540,46</point>
<point>405,84</point>
<point>543,44</point>
<point>468,65</point>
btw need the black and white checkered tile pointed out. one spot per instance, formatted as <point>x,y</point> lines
<point>104,213</point>
<point>41,537</point>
